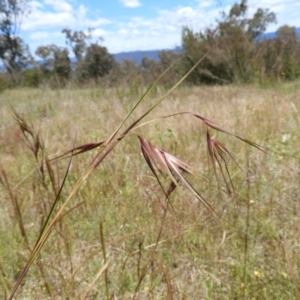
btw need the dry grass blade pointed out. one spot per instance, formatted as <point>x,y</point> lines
<point>217,152</point>
<point>170,289</point>
<point>34,142</point>
<point>45,232</point>
<point>222,151</point>
<point>291,270</point>
<point>156,163</point>
<point>87,293</point>
<point>52,177</point>
<point>15,204</point>
<point>31,138</point>
<point>219,128</point>
<point>173,168</point>
<point>105,257</point>
<point>79,150</point>
<point>3,280</point>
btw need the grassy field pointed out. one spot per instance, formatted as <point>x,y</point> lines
<point>121,238</point>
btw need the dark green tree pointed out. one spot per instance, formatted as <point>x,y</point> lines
<point>235,38</point>
<point>287,46</point>
<point>62,63</point>
<point>129,70</point>
<point>97,62</point>
<point>149,70</point>
<point>213,68</point>
<point>14,53</point>
<point>166,59</point>
<point>46,53</point>
<point>279,58</point>
<point>258,24</point>
<point>55,60</point>
<point>77,41</point>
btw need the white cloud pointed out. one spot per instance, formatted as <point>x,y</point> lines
<point>47,20</point>
<point>131,3</point>
<point>99,33</point>
<point>160,32</point>
<point>59,5</point>
<point>35,4</point>
<point>186,11</point>
<point>116,44</point>
<point>81,12</point>
<point>45,36</point>
<point>123,32</point>
<point>207,3</point>
<point>39,35</point>
<point>172,20</point>
<point>59,14</point>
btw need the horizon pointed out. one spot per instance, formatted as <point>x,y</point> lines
<point>135,25</point>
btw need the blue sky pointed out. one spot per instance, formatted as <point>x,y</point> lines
<point>127,25</point>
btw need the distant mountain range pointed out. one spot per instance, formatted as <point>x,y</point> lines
<point>137,56</point>
<point>273,35</point>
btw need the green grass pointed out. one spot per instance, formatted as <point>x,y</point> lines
<point>198,255</point>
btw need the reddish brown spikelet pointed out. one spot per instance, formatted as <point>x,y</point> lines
<point>215,126</point>
<point>79,150</point>
<point>217,152</point>
<point>168,165</point>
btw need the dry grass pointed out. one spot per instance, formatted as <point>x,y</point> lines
<point>108,246</point>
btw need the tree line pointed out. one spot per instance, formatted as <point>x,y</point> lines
<point>232,50</point>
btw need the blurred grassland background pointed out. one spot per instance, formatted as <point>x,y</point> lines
<point>198,256</point>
